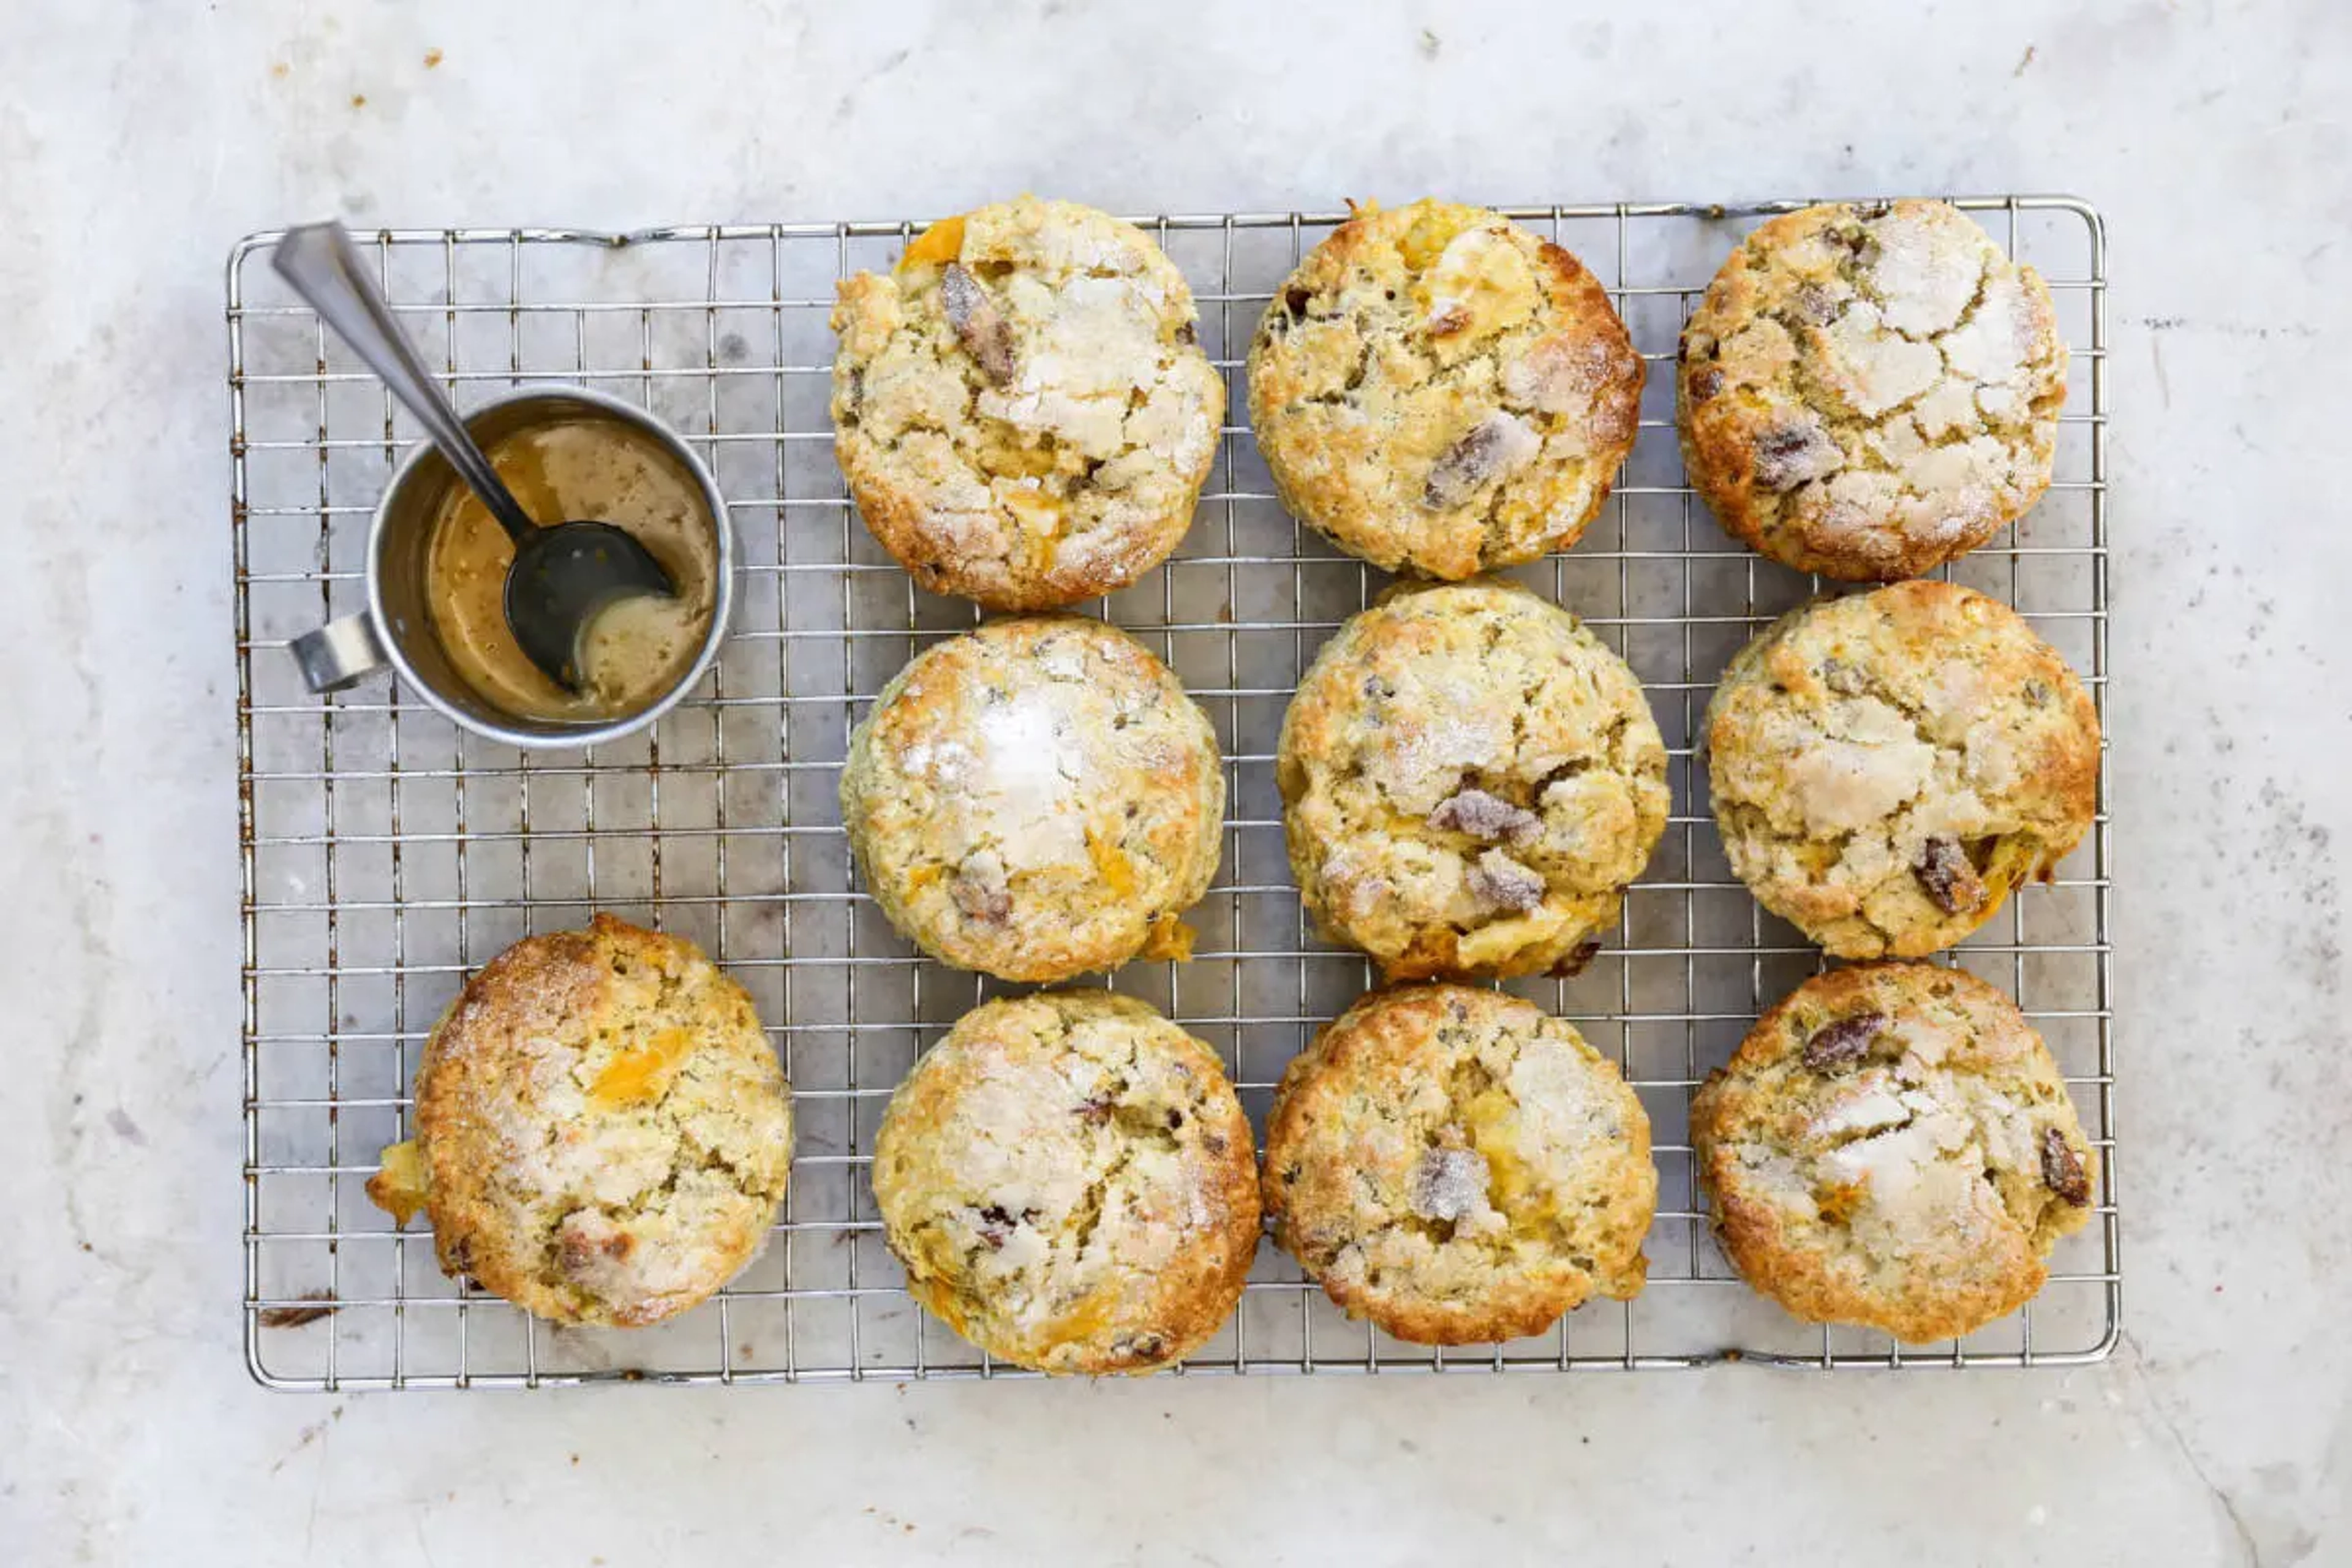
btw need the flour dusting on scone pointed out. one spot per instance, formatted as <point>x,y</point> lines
<point>1035,799</point>
<point>1022,407</point>
<point>1441,392</point>
<point>1868,392</point>
<point>602,1131</point>
<point>1886,767</point>
<point>1893,1146</point>
<point>1069,1181</point>
<point>1459,1166</point>
<point>1469,780</point>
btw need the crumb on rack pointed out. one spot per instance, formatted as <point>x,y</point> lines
<point>295,1317</point>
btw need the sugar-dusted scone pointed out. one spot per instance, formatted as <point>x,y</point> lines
<point>1867,391</point>
<point>1887,766</point>
<point>1068,1179</point>
<point>1442,393</point>
<point>1035,799</point>
<point>1893,1146</point>
<point>1458,1166</point>
<point>603,1132</point>
<point>1021,405</point>
<point>1469,780</point>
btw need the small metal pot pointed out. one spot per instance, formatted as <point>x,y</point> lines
<point>396,627</point>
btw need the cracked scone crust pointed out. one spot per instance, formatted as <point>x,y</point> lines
<point>1035,799</point>
<point>603,1132</point>
<point>1441,392</point>
<point>1886,767</point>
<point>1068,1179</point>
<point>1469,780</point>
<point>1021,405</point>
<point>1459,1166</point>
<point>1868,392</point>
<point>1893,1146</point>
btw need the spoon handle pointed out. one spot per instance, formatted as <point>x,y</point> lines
<point>319,262</point>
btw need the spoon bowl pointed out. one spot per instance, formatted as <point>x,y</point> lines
<point>563,576</point>
<point>563,579</point>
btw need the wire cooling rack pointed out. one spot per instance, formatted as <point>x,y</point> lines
<point>385,854</point>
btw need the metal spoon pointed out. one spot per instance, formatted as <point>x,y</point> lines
<point>564,575</point>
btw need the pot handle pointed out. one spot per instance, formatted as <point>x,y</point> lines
<point>341,653</point>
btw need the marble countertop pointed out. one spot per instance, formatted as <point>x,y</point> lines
<point>137,143</point>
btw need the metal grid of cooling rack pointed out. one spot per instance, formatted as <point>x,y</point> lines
<point>385,854</point>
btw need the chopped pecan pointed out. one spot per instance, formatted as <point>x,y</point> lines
<point>1705,383</point>
<point>2062,1169</point>
<point>980,890</point>
<point>1816,304</point>
<point>1493,449</point>
<point>1841,678</point>
<point>1295,297</point>
<point>979,325</point>
<point>1502,882</point>
<point>1579,959</point>
<point>1944,870</point>
<point>1488,818</point>
<point>1843,1043</point>
<point>995,1226</point>
<point>1789,455</point>
<point>1448,1183</point>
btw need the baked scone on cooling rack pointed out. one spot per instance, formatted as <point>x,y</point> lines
<point>1870,391</point>
<point>1469,780</point>
<point>1069,1181</point>
<point>1442,393</point>
<point>1459,1166</point>
<point>602,1131</point>
<point>1034,799</point>
<point>1021,405</point>
<point>1893,1146</point>
<point>1886,767</point>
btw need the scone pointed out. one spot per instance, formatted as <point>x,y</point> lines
<point>1441,392</point>
<point>1035,799</point>
<point>1886,767</point>
<point>1067,1178</point>
<point>1469,780</point>
<point>1868,392</point>
<point>1458,1167</point>
<point>1892,1146</point>
<point>603,1132</point>
<point>1021,406</point>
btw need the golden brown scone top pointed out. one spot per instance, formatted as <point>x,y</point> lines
<point>1021,406</point>
<point>1469,778</point>
<point>1868,392</point>
<point>1442,393</point>
<point>1459,1166</point>
<point>1035,798</point>
<point>1068,1179</point>
<point>1892,1145</point>
<point>602,1131</point>
<point>1886,767</point>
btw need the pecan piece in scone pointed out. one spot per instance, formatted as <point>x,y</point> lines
<point>1944,870</point>
<point>979,325</point>
<point>1845,1042</point>
<point>2062,1169</point>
